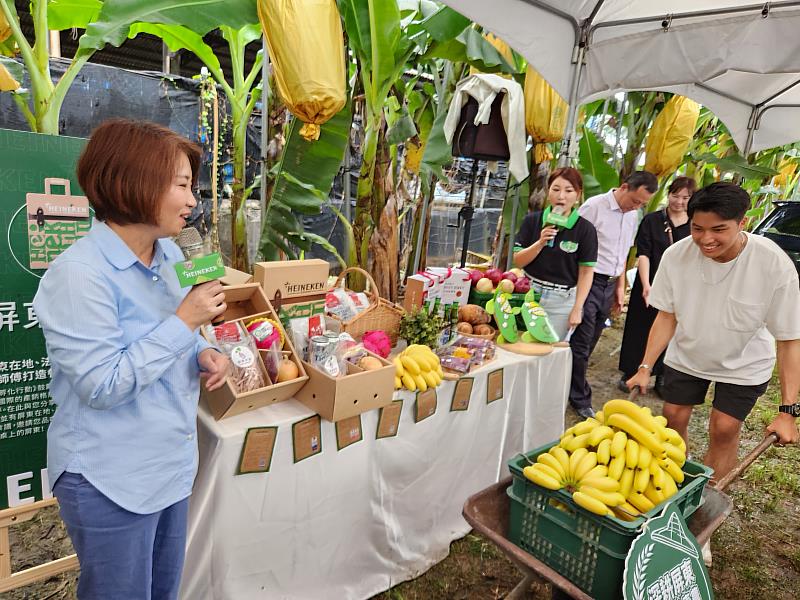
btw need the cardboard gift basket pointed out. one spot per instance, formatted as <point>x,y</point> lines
<point>246,302</point>
<point>337,398</point>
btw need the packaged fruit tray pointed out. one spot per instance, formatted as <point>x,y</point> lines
<point>587,548</point>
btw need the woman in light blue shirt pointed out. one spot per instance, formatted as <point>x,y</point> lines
<point>126,358</point>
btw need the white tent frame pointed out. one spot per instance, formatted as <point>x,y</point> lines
<point>584,33</point>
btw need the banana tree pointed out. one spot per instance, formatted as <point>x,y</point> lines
<point>41,105</point>
<point>242,93</point>
<point>386,42</point>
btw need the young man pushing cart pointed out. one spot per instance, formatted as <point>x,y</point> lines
<point>726,300</point>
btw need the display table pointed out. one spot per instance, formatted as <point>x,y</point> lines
<point>354,522</point>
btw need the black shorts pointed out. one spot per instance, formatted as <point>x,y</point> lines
<point>729,398</point>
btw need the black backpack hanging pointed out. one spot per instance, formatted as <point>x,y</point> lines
<point>481,142</point>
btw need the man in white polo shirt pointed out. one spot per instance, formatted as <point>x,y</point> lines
<point>724,298</point>
<point>614,216</point>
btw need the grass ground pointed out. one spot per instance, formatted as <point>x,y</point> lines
<point>756,551</point>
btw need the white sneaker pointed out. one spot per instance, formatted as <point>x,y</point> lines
<point>707,553</point>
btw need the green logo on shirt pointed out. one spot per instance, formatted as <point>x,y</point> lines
<point>568,247</point>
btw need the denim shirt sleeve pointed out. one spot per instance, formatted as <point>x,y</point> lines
<point>200,345</point>
<point>78,312</point>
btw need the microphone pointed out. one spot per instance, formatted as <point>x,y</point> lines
<point>555,217</point>
<point>198,266</point>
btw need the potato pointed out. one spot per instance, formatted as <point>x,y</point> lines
<point>464,327</point>
<point>483,330</point>
<point>473,314</point>
<point>370,363</point>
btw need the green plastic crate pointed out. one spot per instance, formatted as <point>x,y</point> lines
<point>586,548</point>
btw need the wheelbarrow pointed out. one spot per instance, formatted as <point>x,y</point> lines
<point>488,513</point>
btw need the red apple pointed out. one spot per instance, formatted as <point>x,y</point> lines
<point>510,276</point>
<point>494,275</point>
<point>522,285</point>
<point>474,276</point>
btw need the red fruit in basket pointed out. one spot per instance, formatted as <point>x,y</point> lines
<point>494,275</point>
<point>522,285</point>
<point>510,276</point>
<point>474,276</point>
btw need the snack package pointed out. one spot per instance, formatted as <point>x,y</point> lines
<point>303,329</point>
<point>339,304</point>
<point>360,301</point>
<point>235,342</point>
<point>265,332</point>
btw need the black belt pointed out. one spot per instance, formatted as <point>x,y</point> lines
<point>605,278</point>
<point>551,286</point>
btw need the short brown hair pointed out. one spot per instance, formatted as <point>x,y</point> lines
<point>127,166</point>
<point>570,174</point>
<point>682,183</point>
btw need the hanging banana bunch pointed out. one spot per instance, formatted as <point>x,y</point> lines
<point>306,47</point>
<point>669,136</point>
<point>545,114</point>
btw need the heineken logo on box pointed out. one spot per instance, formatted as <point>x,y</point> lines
<point>200,269</point>
<point>295,289</point>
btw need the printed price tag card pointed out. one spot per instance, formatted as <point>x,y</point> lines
<point>425,405</point>
<point>494,386</point>
<point>462,394</point>
<point>389,420</point>
<point>259,443</point>
<point>348,432</point>
<point>307,438</point>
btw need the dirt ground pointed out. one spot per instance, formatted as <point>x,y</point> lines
<point>756,551</point>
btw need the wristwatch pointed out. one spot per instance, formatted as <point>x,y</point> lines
<point>645,366</point>
<point>792,409</point>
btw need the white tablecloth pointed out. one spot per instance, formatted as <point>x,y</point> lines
<point>352,523</point>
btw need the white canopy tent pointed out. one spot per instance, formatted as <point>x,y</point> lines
<point>739,59</point>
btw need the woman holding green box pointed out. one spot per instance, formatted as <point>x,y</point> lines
<point>558,249</point>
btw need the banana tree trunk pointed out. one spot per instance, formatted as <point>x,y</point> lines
<point>383,241</point>
<point>239,256</point>
<point>364,222</point>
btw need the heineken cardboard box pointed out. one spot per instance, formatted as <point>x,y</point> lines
<point>246,302</point>
<point>235,277</point>
<point>337,398</point>
<point>292,278</point>
<point>296,288</point>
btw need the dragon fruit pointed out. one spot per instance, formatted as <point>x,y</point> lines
<point>377,342</point>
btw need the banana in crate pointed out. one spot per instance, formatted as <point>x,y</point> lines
<point>621,463</point>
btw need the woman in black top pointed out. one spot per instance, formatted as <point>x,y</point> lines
<point>657,232</point>
<point>560,258</point>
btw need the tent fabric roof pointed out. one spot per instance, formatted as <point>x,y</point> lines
<point>740,59</point>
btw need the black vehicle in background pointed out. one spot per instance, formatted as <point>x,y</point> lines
<point>782,226</point>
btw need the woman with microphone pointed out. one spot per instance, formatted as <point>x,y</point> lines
<point>559,258</point>
<point>126,358</point>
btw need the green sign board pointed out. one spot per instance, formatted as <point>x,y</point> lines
<point>29,165</point>
<point>665,562</point>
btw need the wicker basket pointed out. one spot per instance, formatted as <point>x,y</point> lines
<point>381,315</point>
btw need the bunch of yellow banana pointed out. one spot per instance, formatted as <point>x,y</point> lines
<point>623,462</point>
<point>417,368</point>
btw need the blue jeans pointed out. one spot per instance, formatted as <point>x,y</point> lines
<point>557,304</point>
<point>123,555</point>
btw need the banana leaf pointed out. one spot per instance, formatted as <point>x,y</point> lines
<point>738,164</point>
<point>598,175</point>
<point>472,48</point>
<point>178,37</point>
<point>201,16</point>
<point>304,178</point>
<point>66,14</point>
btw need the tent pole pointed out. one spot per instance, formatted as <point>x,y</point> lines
<point>567,142</point>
